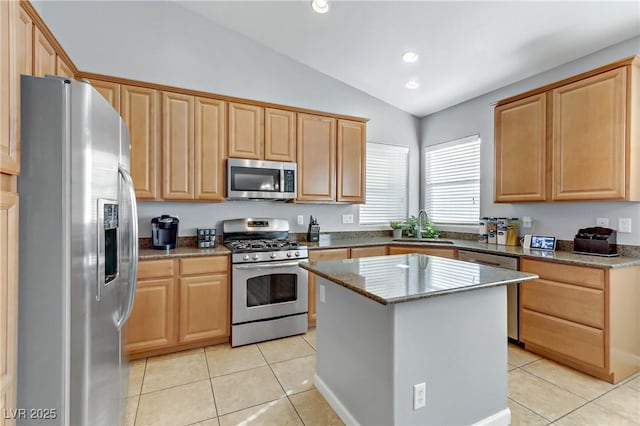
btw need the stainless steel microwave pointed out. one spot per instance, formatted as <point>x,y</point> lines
<point>256,179</point>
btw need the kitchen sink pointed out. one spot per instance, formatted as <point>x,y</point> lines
<point>424,240</point>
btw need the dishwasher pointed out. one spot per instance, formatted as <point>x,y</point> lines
<point>513,290</point>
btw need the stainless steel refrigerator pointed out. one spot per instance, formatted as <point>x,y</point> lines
<point>78,255</point>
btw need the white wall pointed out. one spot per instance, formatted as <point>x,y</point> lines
<point>164,43</point>
<point>476,116</point>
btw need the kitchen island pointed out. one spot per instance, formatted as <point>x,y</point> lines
<point>388,323</point>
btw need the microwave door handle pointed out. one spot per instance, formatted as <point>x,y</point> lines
<point>133,246</point>
<point>269,266</point>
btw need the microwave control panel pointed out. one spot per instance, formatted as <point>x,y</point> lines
<point>289,181</point>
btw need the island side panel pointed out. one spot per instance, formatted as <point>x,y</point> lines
<point>457,345</point>
<point>355,354</point>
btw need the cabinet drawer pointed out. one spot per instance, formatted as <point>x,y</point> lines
<point>578,275</point>
<point>332,254</point>
<point>155,268</point>
<point>203,265</point>
<point>585,344</point>
<point>368,251</point>
<point>579,304</point>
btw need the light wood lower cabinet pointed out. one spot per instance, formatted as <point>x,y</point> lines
<point>450,253</point>
<point>587,318</point>
<point>8,301</point>
<point>358,252</point>
<point>317,256</point>
<point>180,303</point>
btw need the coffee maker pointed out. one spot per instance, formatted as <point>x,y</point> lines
<point>164,232</point>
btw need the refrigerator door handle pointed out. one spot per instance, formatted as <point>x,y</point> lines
<point>133,246</point>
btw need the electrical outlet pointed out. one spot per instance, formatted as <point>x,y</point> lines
<point>347,218</point>
<point>419,396</point>
<point>602,221</point>
<point>300,219</point>
<point>624,224</point>
<point>321,297</point>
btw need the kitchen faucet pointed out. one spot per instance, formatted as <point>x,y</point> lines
<point>421,227</point>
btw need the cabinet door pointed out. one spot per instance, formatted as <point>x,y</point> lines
<point>352,145</point>
<point>110,91</point>
<point>521,150</point>
<point>449,253</point>
<point>44,56</point>
<point>589,138</point>
<point>358,252</point>
<point>204,307</point>
<point>210,149</point>
<point>140,108</point>
<point>315,256</point>
<point>279,135</point>
<point>63,69</point>
<point>246,131</point>
<point>177,146</point>
<point>316,158</point>
<point>8,299</point>
<point>7,146</point>
<point>151,324</point>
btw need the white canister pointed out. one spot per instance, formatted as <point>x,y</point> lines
<point>492,237</point>
<point>502,237</point>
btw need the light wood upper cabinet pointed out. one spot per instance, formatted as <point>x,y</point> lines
<point>589,138</point>
<point>8,298</point>
<point>44,55</point>
<point>62,68</point>
<point>280,135</point>
<point>520,150</point>
<point>177,146</point>
<point>140,109</point>
<point>351,146</point>
<point>246,131</point>
<point>8,146</point>
<point>110,91</point>
<point>210,149</point>
<point>316,155</point>
<point>573,140</point>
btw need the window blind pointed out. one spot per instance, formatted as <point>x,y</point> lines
<point>387,184</point>
<point>452,186</point>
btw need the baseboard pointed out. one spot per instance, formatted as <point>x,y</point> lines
<point>501,418</point>
<point>335,403</point>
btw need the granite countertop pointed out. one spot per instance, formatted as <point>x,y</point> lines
<point>407,277</point>
<point>149,253</point>
<point>514,251</point>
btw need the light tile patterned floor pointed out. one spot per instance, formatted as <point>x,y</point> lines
<point>271,383</point>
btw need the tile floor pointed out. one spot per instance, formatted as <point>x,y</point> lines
<point>271,383</point>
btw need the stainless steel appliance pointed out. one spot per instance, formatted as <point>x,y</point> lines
<point>256,179</point>
<point>164,232</point>
<point>78,255</point>
<point>269,290</point>
<point>513,291</point>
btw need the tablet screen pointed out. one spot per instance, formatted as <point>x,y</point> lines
<point>543,243</point>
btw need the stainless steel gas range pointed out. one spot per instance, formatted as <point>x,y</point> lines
<point>269,293</point>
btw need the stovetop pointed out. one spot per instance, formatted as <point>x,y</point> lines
<point>250,246</point>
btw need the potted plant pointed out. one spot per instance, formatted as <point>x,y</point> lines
<point>429,230</point>
<point>397,226</point>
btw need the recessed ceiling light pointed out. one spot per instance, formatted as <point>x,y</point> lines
<point>412,84</point>
<point>409,57</point>
<point>320,6</point>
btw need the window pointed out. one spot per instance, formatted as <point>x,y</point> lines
<point>452,173</point>
<point>387,184</point>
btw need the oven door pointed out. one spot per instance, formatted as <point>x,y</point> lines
<point>268,290</point>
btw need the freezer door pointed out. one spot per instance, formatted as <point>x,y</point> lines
<point>99,266</point>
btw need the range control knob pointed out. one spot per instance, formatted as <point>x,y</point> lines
<point>289,254</point>
<point>245,257</point>
<point>255,257</point>
<point>273,255</point>
<point>297,253</point>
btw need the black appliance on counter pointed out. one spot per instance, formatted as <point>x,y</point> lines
<point>164,232</point>
<point>596,241</point>
<point>313,234</point>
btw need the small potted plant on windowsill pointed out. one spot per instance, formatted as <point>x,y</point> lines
<point>397,226</point>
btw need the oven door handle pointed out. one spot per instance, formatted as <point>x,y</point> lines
<point>268,266</point>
